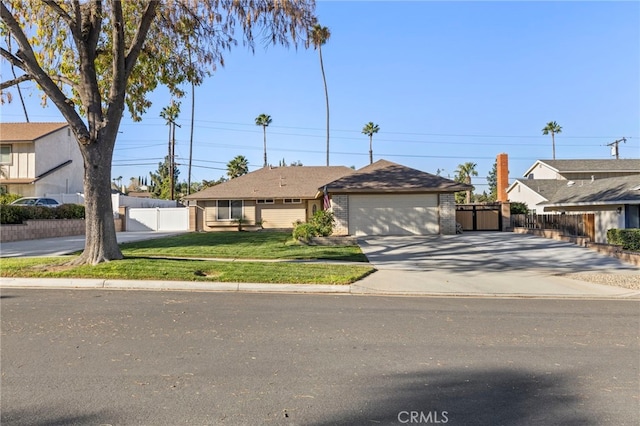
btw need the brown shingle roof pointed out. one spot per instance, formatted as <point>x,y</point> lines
<point>385,176</point>
<point>27,132</point>
<point>277,182</point>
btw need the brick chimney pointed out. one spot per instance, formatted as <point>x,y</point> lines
<point>502,176</point>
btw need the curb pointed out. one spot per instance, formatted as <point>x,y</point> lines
<point>66,283</point>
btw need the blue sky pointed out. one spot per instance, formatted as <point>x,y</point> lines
<point>446,82</point>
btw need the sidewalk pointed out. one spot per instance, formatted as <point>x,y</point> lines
<point>61,246</point>
<point>382,282</point>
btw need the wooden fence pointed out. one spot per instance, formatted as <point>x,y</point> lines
<point>575,225</point>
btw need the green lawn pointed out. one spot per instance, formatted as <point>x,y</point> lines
<point>156,260</point>
<point>134,268</point>
<point>242,245</point>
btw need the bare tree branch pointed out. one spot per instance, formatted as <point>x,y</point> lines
<point>11,58</point>
<point>13,82</point>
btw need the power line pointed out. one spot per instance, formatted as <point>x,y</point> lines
<point>250,125</point>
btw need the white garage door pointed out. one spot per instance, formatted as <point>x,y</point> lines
<point>393,214</point>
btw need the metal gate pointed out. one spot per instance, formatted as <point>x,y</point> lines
<point>479,217</point>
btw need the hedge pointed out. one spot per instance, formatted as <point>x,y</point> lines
<point>629,239</point>
<point>12,215</point>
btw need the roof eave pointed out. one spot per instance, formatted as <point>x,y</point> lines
<point>588,203</point>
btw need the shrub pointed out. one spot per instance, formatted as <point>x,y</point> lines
<point>519,208</point>
<point>12,215</point>
<point>69,211</point>
<point>323,222</point>
<point>9,198</point>
<point>629,239</point>
<point>303,231</point>
<point>320,225</point>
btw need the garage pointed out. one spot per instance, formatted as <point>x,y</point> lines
<point>386,198</point>
<point>393,214</point>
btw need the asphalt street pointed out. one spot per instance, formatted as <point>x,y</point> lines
<point>168,358</point>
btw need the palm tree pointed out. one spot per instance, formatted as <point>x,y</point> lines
<point>319,36</point>
<point>369,129</point>
<point>264,120</point>
<point>553,128</point>
<point>464,173</point>
<point>238,166</point>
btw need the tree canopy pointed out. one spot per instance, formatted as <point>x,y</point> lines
<point>552,128</point>
<point>91,59</point>
<point>370,129</point>
<point>238,166</point>
<point>264,120</point>
<point>464,173</point>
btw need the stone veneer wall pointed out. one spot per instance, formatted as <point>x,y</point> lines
<point>447,214</point>
<point>36,229</point>
<point>340,208</point>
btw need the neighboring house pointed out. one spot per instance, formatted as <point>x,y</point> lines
<point>386,198</point>
<point>381,199</point>
<point>610,189</point>
<point>39,158</point>
<point>140,194</point>
<point>275,197</point>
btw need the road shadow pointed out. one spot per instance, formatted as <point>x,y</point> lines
<point>470,397</point>
<point>50,416</point>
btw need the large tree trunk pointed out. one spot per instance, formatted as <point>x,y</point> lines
<point>101,244</point>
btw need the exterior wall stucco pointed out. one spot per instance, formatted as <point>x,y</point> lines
<point>606,217</point>
<point>542,171</point>
<point>522,194</point>
<point>53,150</point>
<point>31,159</point>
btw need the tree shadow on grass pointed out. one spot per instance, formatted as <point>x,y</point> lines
<point>470,397</point>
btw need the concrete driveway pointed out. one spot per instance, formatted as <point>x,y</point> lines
<point>488,263</point>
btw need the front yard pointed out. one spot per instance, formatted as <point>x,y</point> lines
<point>240,245</point>
<point>184,258</point>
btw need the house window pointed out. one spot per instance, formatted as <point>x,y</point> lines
<point>229,209</point>
<point>5,154</point>
<point>265,201</point>
<point>292,201</point>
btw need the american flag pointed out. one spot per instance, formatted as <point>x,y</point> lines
<point>327,201</point>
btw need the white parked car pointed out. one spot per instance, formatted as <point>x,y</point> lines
<point>36,201</point>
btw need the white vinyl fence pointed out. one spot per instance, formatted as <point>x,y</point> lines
<point>117,200</point>
<point>158,219</point>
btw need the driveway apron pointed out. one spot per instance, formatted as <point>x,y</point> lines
<point>487,263</point>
